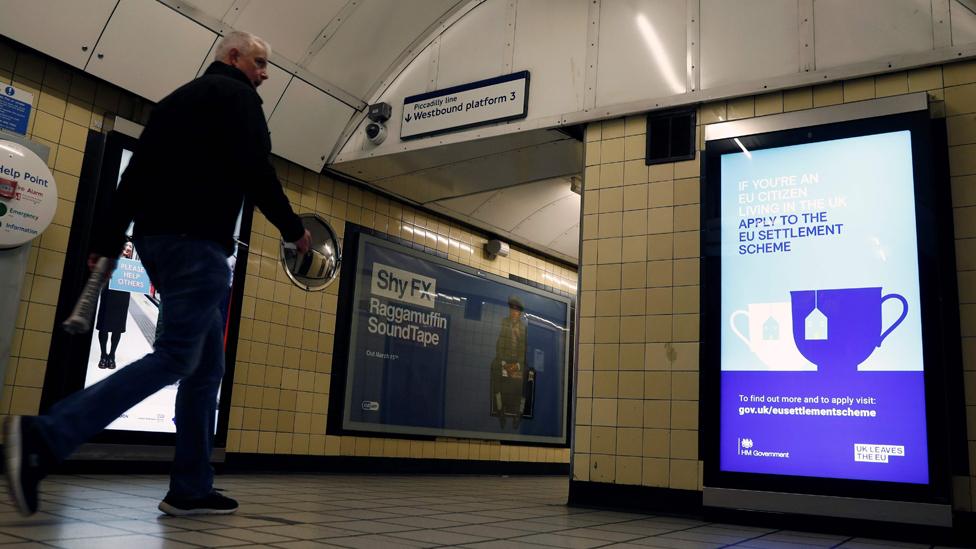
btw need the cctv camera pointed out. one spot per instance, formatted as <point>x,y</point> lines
<point>375,132</point>
<point>380,112</point>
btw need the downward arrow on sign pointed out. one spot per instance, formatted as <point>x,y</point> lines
<point>408,118</point>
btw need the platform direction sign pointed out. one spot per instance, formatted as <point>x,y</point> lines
<point>465,106</point>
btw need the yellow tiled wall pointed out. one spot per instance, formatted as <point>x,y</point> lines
<point>66,104</point>
<point>637,397</point>
<point>284,360</point>
<point>282,378</point>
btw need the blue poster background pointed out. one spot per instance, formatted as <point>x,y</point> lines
<point>821,346</point>
<point>397,385</point>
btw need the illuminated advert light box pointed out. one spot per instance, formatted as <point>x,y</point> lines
<point>815,295</point>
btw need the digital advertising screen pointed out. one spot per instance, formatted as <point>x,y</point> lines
<point>439,349</point>
<point>127,323</point>
<point>820,318</point>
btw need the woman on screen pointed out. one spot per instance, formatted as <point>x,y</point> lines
<point>113,313</point>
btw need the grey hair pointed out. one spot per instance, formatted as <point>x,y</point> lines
<point>241,41</point>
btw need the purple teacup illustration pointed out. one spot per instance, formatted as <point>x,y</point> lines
<point>840,328</point>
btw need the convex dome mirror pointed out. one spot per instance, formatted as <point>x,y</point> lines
<point>319,267</point>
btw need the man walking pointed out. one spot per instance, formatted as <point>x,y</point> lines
<point>205,148</point>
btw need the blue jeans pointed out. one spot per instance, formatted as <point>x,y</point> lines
<point>193,277</point>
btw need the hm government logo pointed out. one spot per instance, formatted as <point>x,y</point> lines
<point>746,447</point>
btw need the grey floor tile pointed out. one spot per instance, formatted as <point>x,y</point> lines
<point>606,536</point>
<point>377,541</point>
<point>487,530</point>
<point>304,531</point>
<point>695,534</point>
<point>141,526</point>
<point>504,544</point>
<point>205,539</point>
<point>865,543</point>
<point>439,537</point>
<point>306,544</point>
<point>68,530</point>
<point>422,522</point>
<point>558,540</point>
<point>672,543</point>
<point>364,514</point>
<point>371,526</point>
<point>307,511</point>
<point>466,518</point>
<point>636,528</point>
<point>122,542</point>
<point>252,536</point>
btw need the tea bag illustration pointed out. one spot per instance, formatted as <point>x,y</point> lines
<point>815,325</point>
<point>770,329</point>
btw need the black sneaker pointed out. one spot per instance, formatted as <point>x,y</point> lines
<point>212,504</point>
<point>25,461</point>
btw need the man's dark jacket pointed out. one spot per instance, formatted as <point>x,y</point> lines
<point>205,148</point>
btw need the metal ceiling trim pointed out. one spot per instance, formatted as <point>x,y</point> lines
<point>451,16</point>
<point>805,36</point>
<point>399,65</point>
<point>329,31</point>
<point>941,24</point>
<point>592,55</point>
<point>508,56</point>
<point>693,46</point>
<point>757,87</point>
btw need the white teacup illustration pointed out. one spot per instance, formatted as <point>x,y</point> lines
<point>770,338</point>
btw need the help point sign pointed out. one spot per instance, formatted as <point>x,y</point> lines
<point>28,195</point>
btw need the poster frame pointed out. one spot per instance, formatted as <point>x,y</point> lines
<point>930,194</point>
<point>353,234</point>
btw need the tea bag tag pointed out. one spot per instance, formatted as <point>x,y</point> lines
<point>770,329</point>
<point>815,326</point>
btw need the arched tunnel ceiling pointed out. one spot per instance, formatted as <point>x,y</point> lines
<point>333,57</point>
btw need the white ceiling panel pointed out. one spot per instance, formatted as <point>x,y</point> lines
<point>568,242</point>
<point>552,220</point>
<point>513,205</point>
<point>963,23</point>
<point>550,42</point>
<point>364,48</point>
<point>558,158</point>
<point>290,26</point>
<point>467,204</point>
<point>213,8</point>
<point>390,165</point>
<point>543,215</point>
<point>844,34</point>
<point>472,49</point>
<point>272,89</point>
<point>59,28</point>
<point>306,124</point>
<point>657,68</point>
<point>149,49</point>
<point>735,39</point>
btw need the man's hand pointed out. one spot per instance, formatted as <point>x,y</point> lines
<point>304,243</point>
<point>93,259</point>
